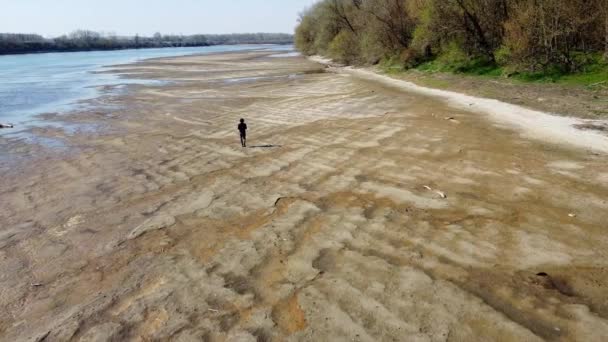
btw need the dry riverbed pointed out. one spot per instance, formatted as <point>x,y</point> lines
<point>360,212</point>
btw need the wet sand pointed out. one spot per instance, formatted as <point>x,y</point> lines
<point>359,212</point>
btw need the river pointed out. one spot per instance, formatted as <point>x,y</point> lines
<point>34,84</point>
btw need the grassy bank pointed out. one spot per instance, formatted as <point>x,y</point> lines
<point>592,75</point>
<point>583,94</point>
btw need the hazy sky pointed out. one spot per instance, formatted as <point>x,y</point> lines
<point>128,17</point>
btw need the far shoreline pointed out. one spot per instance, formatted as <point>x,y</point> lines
<point>39,52</point>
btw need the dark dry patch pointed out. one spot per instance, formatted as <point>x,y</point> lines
<point>228,321</point>
<point>239,284</point>
<point>584,284</point>
<point>262,335</point>
<point>487,285</point>
<point>511,292</point>
<point>593,127</point>
<point>325,261</point>
<point>553,283</point>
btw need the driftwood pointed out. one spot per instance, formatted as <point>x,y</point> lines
<point>598,83</point>
<point>440,193</point>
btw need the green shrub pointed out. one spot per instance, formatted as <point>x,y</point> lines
<point>371,50</point>
<point>503,55</point>
<point>344,48</point>
<point>392,64</point>
<point>305,36</point>
<point>424,37</point>
<point>453,57</point>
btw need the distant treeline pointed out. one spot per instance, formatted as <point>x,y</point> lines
<point>82,40</point>
<point>516,35</point>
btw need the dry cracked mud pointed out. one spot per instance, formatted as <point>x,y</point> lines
<point>358,213</point>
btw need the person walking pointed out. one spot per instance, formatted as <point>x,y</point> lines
<point>243,131</point>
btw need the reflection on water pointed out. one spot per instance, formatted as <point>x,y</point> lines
<point>33,84</point>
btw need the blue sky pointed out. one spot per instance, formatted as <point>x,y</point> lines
<point>144,17</point>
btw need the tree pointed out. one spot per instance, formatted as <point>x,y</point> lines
<point>82,40</point>
<point>394,17</point>
<point>521,34</point>
<point>545,34</point>
<point>605,7</point>
<point>342,9</point>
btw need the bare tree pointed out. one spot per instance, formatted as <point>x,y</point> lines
<point>339,9</point>
<point>394,17</point>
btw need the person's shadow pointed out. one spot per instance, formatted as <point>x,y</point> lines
<point>265,146</point>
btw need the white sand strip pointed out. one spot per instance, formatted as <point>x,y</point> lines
<point>531,123</point>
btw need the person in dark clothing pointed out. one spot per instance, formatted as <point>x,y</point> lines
<point>243,130</point>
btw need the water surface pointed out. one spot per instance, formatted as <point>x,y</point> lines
<point>34,84</point>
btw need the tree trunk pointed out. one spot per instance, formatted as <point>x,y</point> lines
<point>477,30</point>
<point>606,33</point>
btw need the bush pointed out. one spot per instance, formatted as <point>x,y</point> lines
<point>453,57</point>
<point>503,55</point>
<point>423,37</point>
<point>344,48</point>
<point>371,48</point>
<point>305,37</point>
<point>392,65</point>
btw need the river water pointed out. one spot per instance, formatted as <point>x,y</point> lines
<point>34,84</point>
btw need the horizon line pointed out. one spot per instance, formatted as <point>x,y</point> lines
<point>113,34</point>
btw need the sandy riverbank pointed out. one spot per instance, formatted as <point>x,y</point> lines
<point>557,128</point>
<point>160,226</point>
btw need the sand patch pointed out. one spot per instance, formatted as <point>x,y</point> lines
<point>403,196</point>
